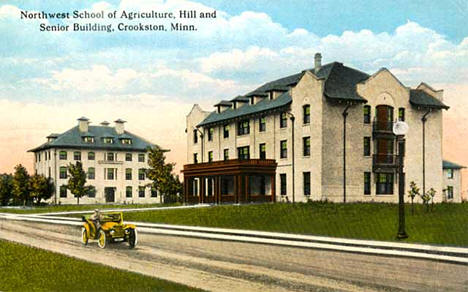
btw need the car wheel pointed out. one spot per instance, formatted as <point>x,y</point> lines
<point>84,236</point>
<point>132,238</point>
<point>102,239</point>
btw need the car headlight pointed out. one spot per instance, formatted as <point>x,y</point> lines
<point>112,232</point>
<point>127,231</point>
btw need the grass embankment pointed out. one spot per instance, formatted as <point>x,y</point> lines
<point>447,224</point>
<point>64,208</point>
<point>24,268</point>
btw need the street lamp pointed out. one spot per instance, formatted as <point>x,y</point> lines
<point>400,128</point>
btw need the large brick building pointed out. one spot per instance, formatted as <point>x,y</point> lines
<point>114,160</point>
<point>322,134</point>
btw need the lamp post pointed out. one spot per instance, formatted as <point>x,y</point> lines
<point>400,128</point>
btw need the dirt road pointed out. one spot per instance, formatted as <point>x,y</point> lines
<point>233,266</point>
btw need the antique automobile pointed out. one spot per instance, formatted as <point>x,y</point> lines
<point>112,230</point>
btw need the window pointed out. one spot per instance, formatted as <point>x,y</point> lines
<point>91,173</point>
<point>367,112</point>
<point>306,146</point>
<point>128,192</point>
<point>210,156</point>
<point>367,150</point>
<point>283,184</point>
<point>306,176</point>
<point>283,149</point>
<point>195,136</point>
<point>127,141</point>
<point>262,151</point>
<point>210,134</point>
<point>283,120</point>
<point>141,157</point>
<point>110,173</point>
<point>63,191</point>
<point>92,192</point>
<point>226,131</point>
<point>243,152</point>
<point>449,192</point>
<point>450,173</point>
<point>367,183</point>
<point>77,155</point>
<point>401,114</point>
<point>195,158</point>
<point>154,193</point>
<point>108,140</point>
<point>128,174</point>
<point>110,156</point>
<point>384,184</point>
<point>91,155</point>
<point>262,124</point>
<point>128,157</point>
<point>141,192</point>
<point>306,114</point>
<point>63,172</point>
<point>88,139</point>
<point>141,174</point>
<point>63,155</point>
<point>243,128</point>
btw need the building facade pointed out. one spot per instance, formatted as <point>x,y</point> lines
<point>114,160</point>
<point>328,132</point>
<point>452,182</point>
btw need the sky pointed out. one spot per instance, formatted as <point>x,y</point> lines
<point>152,79</point>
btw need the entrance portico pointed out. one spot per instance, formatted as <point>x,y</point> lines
<point>230,181</point>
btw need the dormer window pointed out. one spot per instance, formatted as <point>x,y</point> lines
<point>270,95</point>
<point>108,140</point>
<point>127,141</point>
<point>88,139</point>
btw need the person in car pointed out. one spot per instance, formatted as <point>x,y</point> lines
<point>96,218</point>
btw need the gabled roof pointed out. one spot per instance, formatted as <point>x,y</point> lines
<point>421,98</point>
<point>451,165</point>
<point>224,103</point>
<point>340,84</point>
<point>247,110</point>
<point>73,138</point>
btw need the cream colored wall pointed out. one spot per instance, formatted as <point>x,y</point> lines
<point>99,182</point>
<point>384,88</point>
<point>308,92</point>
<point>195,116</point>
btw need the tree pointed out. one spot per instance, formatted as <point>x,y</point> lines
<point>6,189</point>
<point>77,181</point>
<point>413,192</point>
<point>21,184</point>
<point>41,188</point>
<point>432,194</point>
<point>160,172</point>
<point>426,198</point>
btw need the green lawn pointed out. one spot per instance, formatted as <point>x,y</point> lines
<point>63,208</point>
<point>447,224</point>
<point>24,268</point>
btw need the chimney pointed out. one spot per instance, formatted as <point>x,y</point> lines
<point>83,124</point>
<point>119,126</point>
<point>318,62</point>
<point>105,123</point>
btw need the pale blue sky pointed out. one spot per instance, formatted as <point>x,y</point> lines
<point>249,43</point>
